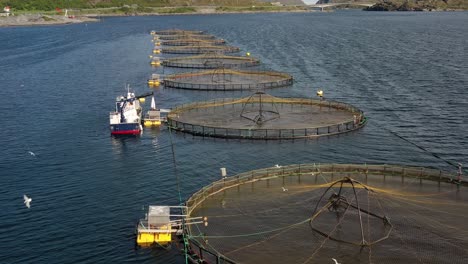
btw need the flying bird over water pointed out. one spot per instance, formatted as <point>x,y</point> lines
<point>277,166</point>
<point>27,201</point>
<point>32,153</point>
<point>284,189</point>
<point>336,262</point>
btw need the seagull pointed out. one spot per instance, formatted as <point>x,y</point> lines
<point>32,153</point>
<point>27,201</point>
<point>336,262</point>
<point>277,166</point>
<point>284,189</point>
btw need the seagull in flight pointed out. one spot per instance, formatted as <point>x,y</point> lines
<point>27,201</point>
<point>277,166</point>
<point>32,153</point>
<point>336,262</point>
<point>284,189</point>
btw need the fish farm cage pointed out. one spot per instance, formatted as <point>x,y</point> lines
<point>228,80</point>
<point>177,32</point>
<point>199,49</point>
<point>314,213</point>
<point>193,42</point>
<point>185,36</point>
<point>211,61</point>
<point>262,116</point>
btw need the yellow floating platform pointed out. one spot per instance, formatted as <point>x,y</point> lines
<point>155,63</point>
<point>153,82</point>
<point>163,236</point>
<point>151,123</point>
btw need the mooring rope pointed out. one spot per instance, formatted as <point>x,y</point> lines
<point>179,192</point>
<point>422,148</point>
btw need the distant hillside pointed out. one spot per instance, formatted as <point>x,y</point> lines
<point>285,2</point>
<point>418,5</point>
<point>345,1</point>
<point>85,4</point>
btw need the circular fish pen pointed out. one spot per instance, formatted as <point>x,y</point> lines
<point>314,213</point>
<point>177,32</point>
<point>211,61</point>
<point>200,49</point>
<point>228,80</point>
<point>193,42</point>
<point>262,116</point>
<point>185,36</point>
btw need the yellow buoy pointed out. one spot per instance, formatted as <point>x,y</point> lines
<point>142,99</point>
<point>158,44</point>
<point>155,63</point>
<point>150,82</point>
<point>320,93</point>
<point>247,54</point>
<point>156,51</point>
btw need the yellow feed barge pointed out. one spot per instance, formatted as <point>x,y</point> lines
<point>161,222</point>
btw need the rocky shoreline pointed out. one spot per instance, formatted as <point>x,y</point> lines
<point>39,19</point>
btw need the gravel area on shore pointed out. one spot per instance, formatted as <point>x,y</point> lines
<point>39,19</point>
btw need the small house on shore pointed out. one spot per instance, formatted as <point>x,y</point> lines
<point>6,11</point>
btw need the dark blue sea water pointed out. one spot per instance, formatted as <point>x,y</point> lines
<point>407,71</point>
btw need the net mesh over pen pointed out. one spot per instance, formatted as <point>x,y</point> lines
<point>311,213</point>
<point>262,116</point>
<point>199,49</point>
<point>178,32</point>
<point>185,36</point>
<point>211,61</point>
<point>193,42</point>
<point>223,79</point>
